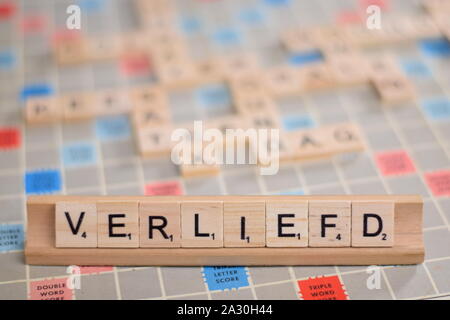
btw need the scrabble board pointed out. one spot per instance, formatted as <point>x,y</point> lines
<point>407,145</point>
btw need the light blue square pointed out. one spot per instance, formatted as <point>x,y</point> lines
<point>297,122</point>
<point>7,60</point>
<point>214,95</point>
<point>190,25</point>
<point>227,37</point>
<point>416,68</point>
<point>277,3</point>
<point>11,237</point>
<point>251,17</point>
<point>437,109</point>
<point>91,6</point>
<point>221,278</point>
<point>113,128</point>
<point>297,192</point>
<point>79,155</point>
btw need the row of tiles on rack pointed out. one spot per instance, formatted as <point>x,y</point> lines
<point>234,223</point>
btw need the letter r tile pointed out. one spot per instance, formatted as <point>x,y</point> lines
<point>159,224</point>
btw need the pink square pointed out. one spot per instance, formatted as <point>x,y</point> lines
<point>439,182</point>
<point>33,23</point>
<point>167,188</point>
<point>95,269</point>
<point>54,289</point>
<point>393,163</point>
<point>349,17</point>
<point>382,4</point>
<point>136,64</point>
<point>60,36</point>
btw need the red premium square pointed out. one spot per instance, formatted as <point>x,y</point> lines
<point>322,288</point>
<point>55,289</point>
<point>9,138</point>
<point>395,162</point>
<point>439,182</point>
<point>167,188</point>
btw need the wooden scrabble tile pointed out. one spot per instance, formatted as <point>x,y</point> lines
<point>425,27</point>
<point>337,48</point>
<point>251,104</point>
<point>225,123</point>
<point>329,223</point>
<point>316,77</point>
<point>103,48</point>
<point>372,224</point>
<point>248,84</point>
<point>433,6</point>
<point>383,66</point>
<point>343,137</point>
<point>330,36</point>
<point>283,81</point>
<point>275,148</point>
<point>308,144</point>
<point>361,36</point>
<point>112,102</point>
<point>394,89</point>
<point>441,20</point>
<point>348,70</point>
<point>164,39</point>
<point>286,223</point>
<point>153,116</point>
<point>299,40</point>
<point>169,51</point>
<point>199,170</point>
<point>42,111</point>
<point>239,64</point>
<point>177,74</point>
<point>149,97</point>
<point>205,162</point>
<point>134,42</point>
<point>202,224</point>
<point>244,223</point>
<point>159,224</point>
<point>79,106</point>
<point>161,22</point>
<point>285,149</point>
<point>76,225</point>
<point>268,119</point>
<point>118,224</point>
<point>325,141</point>
<point>209,71</point>
<point>71,51</point>
<point>154,141</point>
<point>396,31</point>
